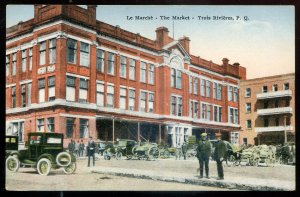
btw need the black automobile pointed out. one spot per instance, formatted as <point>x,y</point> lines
<point>11,144</point>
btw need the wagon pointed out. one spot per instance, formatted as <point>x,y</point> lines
<point>250,156</point>
<point>266,155</point>
<point>146,150</point>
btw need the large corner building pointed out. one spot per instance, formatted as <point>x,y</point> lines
<point>69,73</point>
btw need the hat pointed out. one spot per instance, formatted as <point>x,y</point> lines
<point>218,134</point>
<point>203,134</point>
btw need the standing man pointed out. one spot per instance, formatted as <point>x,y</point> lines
<point>219,154</point>
<point>71,146</point>
<point>81,148</point>
<point>91,151</point>
<point>184,150</point>
<point>178,151</point>
<point>203,154</point>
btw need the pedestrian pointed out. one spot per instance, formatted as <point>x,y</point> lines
<point>76,149</point>
<point>184,150</point>
<point>219,154</point>
<point>203,154</point>
<point>81,148</point>
<point>71,146</point>
<point>91,151</point>
<point>178,151</point>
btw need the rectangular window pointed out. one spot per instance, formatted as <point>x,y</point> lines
<point>110,96</point>
<point>143,101</point>
<point>173,77</point>
<point>131,99</point>
<point>111,64</point>
<point>230,115</point>
<point>215,113</point>
<point>84,128</point>
<point>42,53</point>
<point>265,89</point>
<point>123,95</point>
<point>14,64</point>
<point>191,84</point>
<point>266,122</point>
<point>207,88</point>
<point>13,97</point>
<point>215,90</point>
<point>52,51</point>
<point>248,92</point>
<point>7,64</point>
<point>83,90</point>
<point>195,106</point>
<point>51,88</point>
<point>132,69</point>
<point>178,79</point>
<point>100,94</point>
<point>208,112</point>
<point>236,94</point>
<point>100,60</point>
<point>23,95</point>
<point>70,91</point>
<point>30,59</point>
<point>29,94</point>
<point>123,67</point>
<point>143,72</point>
<point>71,51</point>
<point>230,90</point>
<point>173,105</point>
<point>50,125</point>
<point>220,114</point>
<point>70,127</point>
<point>24,60</point>
<point>179,106</point>
<point>248,124</point>
<point>203,111</point>
<point>245,141</point>
<point>275,87</point>
<point>248,107</point>
<point>41,90</point>
<point>195,85</point>
<point>236,116</point>
<point>150,102</point>
<point>40,125</point>
<point>202,87</point>
<point>286,86</point>
<point>84,54</point>
<point>151,74</point>
<point>219,92</point>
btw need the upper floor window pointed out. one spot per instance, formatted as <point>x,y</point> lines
<point>23,95</point>
<point>50,125</point>
<point>202,91</point>
<point>248,124</point>
<point>235,94</point>
<point>191,84</point>
<point>7,64</point>
<point>14,64</point>
<point>143,101</point>
<point>265,89</point>
<point>131,103</point>
<point>195,85</point>
<point>84,54</point>
<point>83,90</point>
<point>217,91</point>
<point>123,95</point>
<point>151,74</point>
<point>71,51</point>
<point>248,107</point>
<point>29,94</point>
<point>206,111</point>
<point>217,114</point>
<point>286,86</point>
<point>143,72</point>
<point>233,115</point>
<point>230,91</point>
<point>100,94</point>
<point>132,69</point>
<point>13,96</point>
<point>42,53</point>
<point>70,89</point>
<point>150,102</point>
<point>111,64</point>
<point>110,96</point>
<point>176,78</point>
<point>176,105</point>
<point>51,88</point>
<point>123,67</point>
<point>52,51</point>
<point>41,86</point>
<point>248,92</point>
<point>24,60</point>
<point>207,88</point>
<point>194,109</point>
<point>100,60</point>
<point>40,125</point>
<point>275,87</point>
<point>30,59</point>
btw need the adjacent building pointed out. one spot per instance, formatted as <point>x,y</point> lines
<point>67,72</point>
<point>267,107</point>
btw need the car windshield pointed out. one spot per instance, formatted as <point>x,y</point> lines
<point>35,139</point>
<point>122,143</point>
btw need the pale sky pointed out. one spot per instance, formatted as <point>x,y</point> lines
<point>264,44</point>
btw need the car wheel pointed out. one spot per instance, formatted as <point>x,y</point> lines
<point>105,155</point>
<point>70,169</point>
<point>63,159</point>
<point>44,166</point>
<point>12,164</point>
<point>118,155</point>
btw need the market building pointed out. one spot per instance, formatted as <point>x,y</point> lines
<point>267,107</point>
<point>70,73</point>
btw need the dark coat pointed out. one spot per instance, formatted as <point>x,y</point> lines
<point>91,148</point>
<point>203,149</point>
<point>184,148</point>
<point>220,150</point>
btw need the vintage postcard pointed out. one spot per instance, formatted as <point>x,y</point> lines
<point>150,98</point>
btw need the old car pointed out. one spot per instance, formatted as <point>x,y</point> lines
<point>43,152</point>
<point>11,144</point>
<point>146,150</point>
<point>123,148</point>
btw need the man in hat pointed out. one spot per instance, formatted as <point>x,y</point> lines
<point>219,155</point>
<point>91,151</point>
<point>203,154</point>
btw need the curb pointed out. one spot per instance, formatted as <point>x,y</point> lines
<point>229,184</point>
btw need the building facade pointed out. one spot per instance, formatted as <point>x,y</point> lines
<point>70,73</point>
<point>267,107</point>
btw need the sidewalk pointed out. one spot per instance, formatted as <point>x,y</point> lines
<point>240,183</point>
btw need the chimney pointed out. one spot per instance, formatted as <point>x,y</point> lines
<point>185,42</point>
<point>92,14</point>
<point>236,64</point>
<point>225,61</point>
<point>162,37</point>
<point>36,12</point>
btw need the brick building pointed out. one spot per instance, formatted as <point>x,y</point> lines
<point>68,72</point>
<point>267,107</point>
